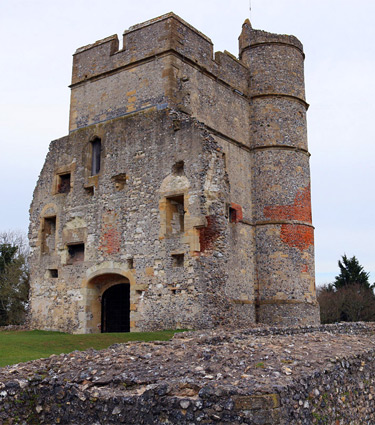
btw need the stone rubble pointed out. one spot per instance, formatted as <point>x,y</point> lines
<point>321,375</point>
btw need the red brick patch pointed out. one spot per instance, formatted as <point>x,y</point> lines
<point>111,239</point>
<point>299,210</point>
<point>297,235</point>
<point>208,234</point>
<point>305,268</point>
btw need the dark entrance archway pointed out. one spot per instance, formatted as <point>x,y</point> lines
<point>116,308</point>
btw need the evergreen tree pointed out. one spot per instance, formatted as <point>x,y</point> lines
<point>351,272</point>
<point>7,254</point>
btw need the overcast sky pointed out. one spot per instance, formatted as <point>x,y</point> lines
<point>38,39</point>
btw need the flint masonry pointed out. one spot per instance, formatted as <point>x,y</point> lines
<point>181,196</point>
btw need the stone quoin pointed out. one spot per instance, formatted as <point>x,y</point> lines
<point>181,196</point>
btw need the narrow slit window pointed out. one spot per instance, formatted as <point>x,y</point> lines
<point>232,215</point>
<point>130,262</point>
<point>96,148</point>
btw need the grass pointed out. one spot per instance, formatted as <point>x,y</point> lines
<point>22,346</point>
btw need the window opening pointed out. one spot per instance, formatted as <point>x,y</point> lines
<point>76,253</point>
<point>63,185</point>
<point>178,168</point>
<point>232,215</point>
<point>49,234</point>
<point>178,260</point>
<point>130,262</point>
<point>175,214</point>
<point>89,190</point>
<point>96,148</point>
<point>54,273</point>
<point>119,181</point>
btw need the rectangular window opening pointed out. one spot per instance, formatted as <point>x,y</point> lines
<point>232,215</point>
<point>63,183</point>
<point>76,253</point>
<point>49,234</point>
<point>130,263</point>
<point>178,260</point>
<point>54,273</point>
<point>175,214</point>
<point>89,190</point>
<point>119,180</point>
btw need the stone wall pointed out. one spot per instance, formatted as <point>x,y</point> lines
<point>123,218</point>
<point>311,375</point>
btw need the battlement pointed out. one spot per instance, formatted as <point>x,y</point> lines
<point>250,38</point>
<point>167,33</point>
<point>164,51</point>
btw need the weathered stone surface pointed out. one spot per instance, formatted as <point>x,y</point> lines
<point>309,375</point>
<point>184,185</point>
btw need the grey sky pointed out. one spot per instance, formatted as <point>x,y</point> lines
<point>39,37</point>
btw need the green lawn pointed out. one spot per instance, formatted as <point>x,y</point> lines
<point>16,347</point>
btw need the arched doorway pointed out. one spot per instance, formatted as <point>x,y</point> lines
<point>116,309</point>
<point>100,280</point>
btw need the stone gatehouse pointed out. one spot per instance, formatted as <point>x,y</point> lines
<point>181,196</point>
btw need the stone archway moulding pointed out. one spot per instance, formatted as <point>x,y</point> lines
<point>108,267</point>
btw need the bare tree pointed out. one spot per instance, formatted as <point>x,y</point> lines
<point>351,303</point>
<point>330,308</point>
<point>14,277</point>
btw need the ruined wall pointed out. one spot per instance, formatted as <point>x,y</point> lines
<point>185,179</point>
<point>312,375</point>
<point>128,220</point>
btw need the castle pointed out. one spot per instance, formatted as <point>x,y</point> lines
<point>181,196</point>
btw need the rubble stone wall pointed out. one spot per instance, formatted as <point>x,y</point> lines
<point>305,375</point>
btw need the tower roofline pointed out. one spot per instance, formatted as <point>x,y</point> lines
<point>133,28</point>
<point>162,18</point>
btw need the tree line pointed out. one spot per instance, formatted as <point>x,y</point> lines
<point>350,298</point>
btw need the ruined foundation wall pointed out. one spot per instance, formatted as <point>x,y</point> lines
<point>310,375</point>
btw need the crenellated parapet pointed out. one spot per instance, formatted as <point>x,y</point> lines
<point>162,53</point>
<point>251,37</point>
<point>279,63</point>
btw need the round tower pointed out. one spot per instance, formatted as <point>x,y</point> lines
<point>284,236</point>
